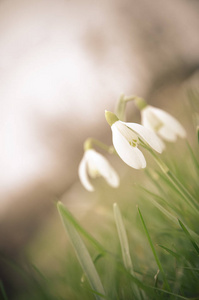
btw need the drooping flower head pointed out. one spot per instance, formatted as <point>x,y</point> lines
<point>127,137</point>
<point>158,120</point>
<point>94,164</point>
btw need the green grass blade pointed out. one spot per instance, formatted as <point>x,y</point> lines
<point>123,239</point>
<point>174,254</point>
<point>164,210</point>
<point>3,291</point>
<point>159,199</point>
<point>82,254</point>
<point>188,198</point>
<point>80,229</point>
<point>124,245</point>
<point>189,236</point>
<point>153,250</point>
<point>147,288</point>
<point>195,161</point>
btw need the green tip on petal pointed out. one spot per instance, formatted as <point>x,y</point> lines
<point>140,103</point>
<point>88,144</point>
<point>111,118</point>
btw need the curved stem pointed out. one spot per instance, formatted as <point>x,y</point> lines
<point>190,200</point>
<point>88,144</point>
<point>121,105</point>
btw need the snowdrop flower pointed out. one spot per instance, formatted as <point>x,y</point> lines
<point>126,138</point>
<point>94,164</point>
<point>158,120</point>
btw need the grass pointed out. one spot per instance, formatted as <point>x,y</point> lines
<point>119,251</point>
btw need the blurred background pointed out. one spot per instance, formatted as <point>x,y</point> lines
<point>62,63</point>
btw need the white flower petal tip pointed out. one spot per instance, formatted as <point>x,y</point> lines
<point>161,122</point>
<point>93,164</point>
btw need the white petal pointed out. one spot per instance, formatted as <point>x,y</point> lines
<point>132,156</point>
<point>113,179</point>
<point>169,121</point>
<point>147,135</point>
<point>102,165</point>
<point>83,176</point>
<point>150,120</point>
<point>167,134</point>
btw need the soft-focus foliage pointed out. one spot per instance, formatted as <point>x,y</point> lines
<point>126,252</point>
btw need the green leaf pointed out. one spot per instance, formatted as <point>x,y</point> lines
<point>67,215</point>
<point>174,254</point>
<point>189,236</point>
<point>123,238</point>
<point>124,245</point>
<point>3,291</point>
<point>154,252</point>
<point>82,254</point>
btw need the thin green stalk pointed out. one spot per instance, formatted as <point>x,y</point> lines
<point>173,179</point>
<point>174,254</point>
<point>148,288</point>
<point>159,199</point>
<point>154,252</point>
<point>3,291</point>
<point>195,161</point>
<point>124,245</point>
<point>154,178</point>
<point>82,255</point>
<point>121,105</point>
<point>74,222</point>
<point>123,239</point>
<point>165,211</point>
<point>189,236</point>
<point>120,108</point>
<point>88,144</point>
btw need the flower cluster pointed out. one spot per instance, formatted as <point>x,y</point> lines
<point>127,138</point>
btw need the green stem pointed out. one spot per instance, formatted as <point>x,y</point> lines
<point>154,252</point>
<point>173,179</point>
<point>124,246</point>
<point>88,144</point>
<point>3,291</point>
<point>121,105</point>
<point>195,161</point>
<point>189,236</point>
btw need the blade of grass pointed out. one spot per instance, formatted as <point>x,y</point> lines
<point>188,198</point>
<point>164,210</point>
<point>82,254</point>
<point>153,250</point>
<point>159,199</point>
<point>148,288</point>
<point>189,236</point>
<point>123,239</point>
<point>174,254</point>
<point>179,257</point>
<point>66,214</point>
<point>3,292</point>
<point>195,161</point>
<point>124,245</point>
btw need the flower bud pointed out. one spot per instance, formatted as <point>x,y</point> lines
<point>111,118</point>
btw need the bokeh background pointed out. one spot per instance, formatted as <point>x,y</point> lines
<point>62,63</point>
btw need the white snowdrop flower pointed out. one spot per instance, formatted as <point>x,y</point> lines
<point>158,120</point>
<point>126,138</point>
<point>94,164</point>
